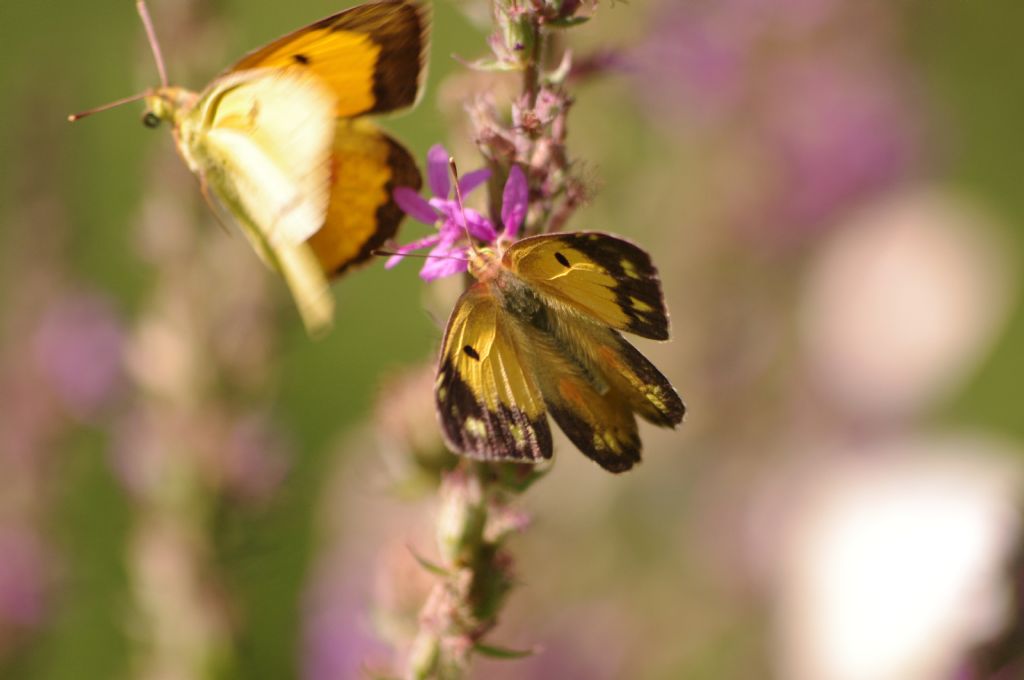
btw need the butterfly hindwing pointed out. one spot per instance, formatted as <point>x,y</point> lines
<point>594,383</point>
<point>488,399</point>
<point>366,166</point>
<point>629,373</point>
<point>372,56</point>
<point>597,418</point>
<point>600,425</point>
<point>603,277</point>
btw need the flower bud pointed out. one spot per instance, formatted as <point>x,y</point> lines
<point>461,517</point>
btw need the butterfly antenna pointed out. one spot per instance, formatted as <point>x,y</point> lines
<point>135,97</point>
<point>147,23</point>
<point>458,200</point>
<point>425,256</point>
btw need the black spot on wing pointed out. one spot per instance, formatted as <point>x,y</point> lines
<point>401,34</point>
<point>582,434</point>
<point>562,260</point>
<point>638,287</point>
<point>469,427</point>
<point>300,59</point>
<point>471,353</point>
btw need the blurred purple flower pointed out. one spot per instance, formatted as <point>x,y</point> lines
<point>336,643</point>
<point>255,462</point>
<point>820,126</point>
<point>704,56</point>
<point>837,135</point>
<point>23,570</point>
<point>449,248</point>
<point>690,59</point>
<point>78,349</point>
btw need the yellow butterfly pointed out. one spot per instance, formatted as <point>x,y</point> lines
<point>538,333</point>
<point>278,140</point>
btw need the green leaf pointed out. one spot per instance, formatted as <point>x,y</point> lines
<point>503,652</point>
<point>433,568</point>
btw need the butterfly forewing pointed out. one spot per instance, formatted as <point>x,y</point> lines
<point>488,399</point>
<point>372,56</point>
<point>603,277</point>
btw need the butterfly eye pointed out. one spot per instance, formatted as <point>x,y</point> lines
<point>151,120</point>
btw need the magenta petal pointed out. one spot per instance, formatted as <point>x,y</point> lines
<point>445,259</point>
<point>442,205</point>
<point>514,201</point>
<point>414,205</point>
<point>437,268</point>
<point>480,227</point>
<point>453,219</point>
<point>437,171</point>
<point>402,251</point>
<point>473,179</point>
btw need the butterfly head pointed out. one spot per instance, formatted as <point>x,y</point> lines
<point>167,104</point>
<point>484,263</point>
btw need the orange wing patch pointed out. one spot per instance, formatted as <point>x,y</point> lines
<point>602,426</point>
<point>372,57</point>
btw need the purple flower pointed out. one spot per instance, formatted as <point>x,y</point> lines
<point>24,570</point>
<point>336,641</point>
<point>78,348</point>
<point>838,135</point>
<point>449,246</point>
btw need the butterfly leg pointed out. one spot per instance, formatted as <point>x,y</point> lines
<point>204,189</point>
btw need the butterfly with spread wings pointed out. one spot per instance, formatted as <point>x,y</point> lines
<point>539,332</point>
<point>279,141</point>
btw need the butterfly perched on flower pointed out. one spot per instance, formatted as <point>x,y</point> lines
<point>538,333</point>
<point>280,142</point>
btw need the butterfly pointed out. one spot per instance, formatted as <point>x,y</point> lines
<point>279,140</point>
<point>538,333</point>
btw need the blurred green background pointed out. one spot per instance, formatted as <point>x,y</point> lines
<point>79,191</point>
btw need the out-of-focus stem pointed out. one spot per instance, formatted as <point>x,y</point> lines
<point>532,68</point>
<point>474,576</point>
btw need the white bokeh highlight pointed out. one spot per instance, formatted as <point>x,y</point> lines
<point>893,559</point>
<point>903,302</point>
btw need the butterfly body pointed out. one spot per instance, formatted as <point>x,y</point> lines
<point>278,141</point>
<point>536,334</point>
